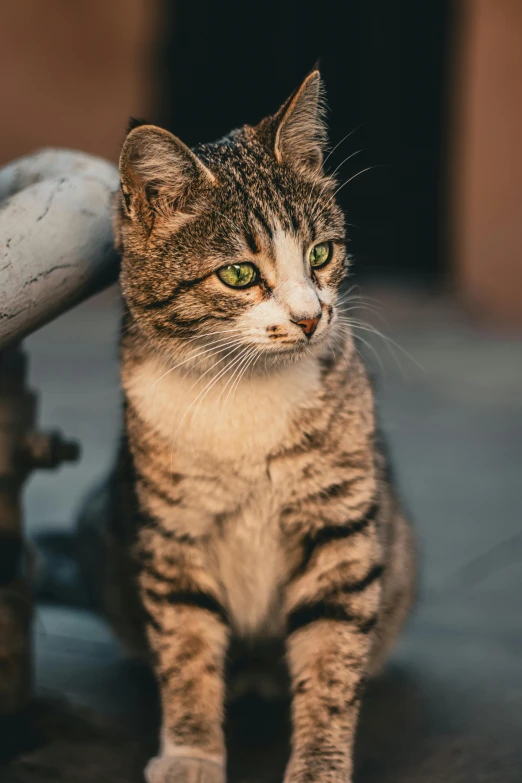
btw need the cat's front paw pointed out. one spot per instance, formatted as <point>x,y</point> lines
<point>181,769</point>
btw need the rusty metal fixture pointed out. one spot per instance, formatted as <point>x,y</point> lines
<point>22,449</point>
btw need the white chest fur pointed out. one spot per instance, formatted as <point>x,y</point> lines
<point>232,434</point>
<point>237,425</point>
<point>250,563</point>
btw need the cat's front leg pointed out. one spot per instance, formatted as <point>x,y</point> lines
<point>332,610</point>
<point>188,635</point>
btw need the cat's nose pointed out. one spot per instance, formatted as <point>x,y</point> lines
<point>309,325</point>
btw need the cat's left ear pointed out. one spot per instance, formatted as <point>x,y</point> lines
<point>158,173</point>
<point>300,132</point>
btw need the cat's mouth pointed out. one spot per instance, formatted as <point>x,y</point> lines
<point>293,347</point>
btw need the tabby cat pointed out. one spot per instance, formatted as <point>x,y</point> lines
<point>251,500</point>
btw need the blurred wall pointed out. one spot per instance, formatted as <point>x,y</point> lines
<point>487,158</point>
<point>72,71</point>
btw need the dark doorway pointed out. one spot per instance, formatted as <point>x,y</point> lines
<point>223,64</point>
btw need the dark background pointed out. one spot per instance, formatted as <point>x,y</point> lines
<point>384,66</point>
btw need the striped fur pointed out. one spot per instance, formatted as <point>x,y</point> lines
<point>250,499</point>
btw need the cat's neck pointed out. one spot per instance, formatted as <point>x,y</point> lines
<point>231,414</point>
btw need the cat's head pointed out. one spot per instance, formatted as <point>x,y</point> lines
<point>240,241</point>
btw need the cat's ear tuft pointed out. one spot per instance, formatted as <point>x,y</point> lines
<point>158,172</point>
<point>135,122</point>
<point>300,130</point>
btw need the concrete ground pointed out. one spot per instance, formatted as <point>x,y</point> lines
<point>449,706</point>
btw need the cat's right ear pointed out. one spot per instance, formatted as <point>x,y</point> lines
<point>158,173</point>
<point>296,134</point>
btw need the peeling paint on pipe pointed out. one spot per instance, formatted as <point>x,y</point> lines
<point>56,245</point>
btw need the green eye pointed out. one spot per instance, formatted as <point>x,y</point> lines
<point>238,275</point>
<point>320,254</point>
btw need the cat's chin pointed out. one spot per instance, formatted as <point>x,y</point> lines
<point>271,359</point>
<point>290,354</point>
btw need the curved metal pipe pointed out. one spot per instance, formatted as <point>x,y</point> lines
<point>56,245</point>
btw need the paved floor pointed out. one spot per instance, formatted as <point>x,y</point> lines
<point>449,706</point>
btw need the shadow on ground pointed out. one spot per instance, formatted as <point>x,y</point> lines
<point>434,715</point>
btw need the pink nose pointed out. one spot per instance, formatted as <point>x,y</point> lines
<point>308,325</point>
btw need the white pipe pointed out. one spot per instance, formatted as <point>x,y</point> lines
<point>56,244</point>
<point>50,163</point>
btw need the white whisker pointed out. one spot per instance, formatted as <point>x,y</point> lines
<point>213,381</point>
<point>236,373</point>
<point>360,307</point>
<point>203,392</point>
<point>362,325</point>
<point>357,152</point>
<point>242,370</point>
<point>211,349</point>
<point>343,140</point>
<point>363,171</point>
<point>373,350</point>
